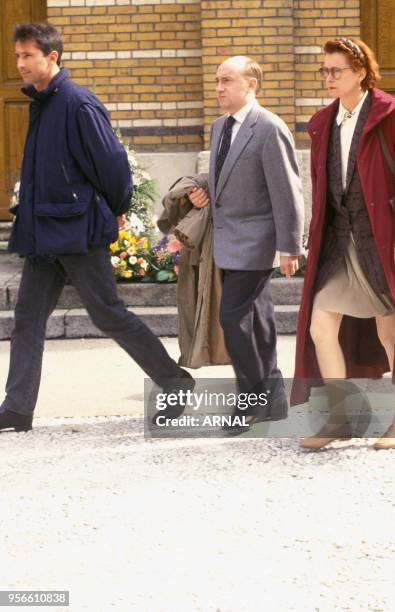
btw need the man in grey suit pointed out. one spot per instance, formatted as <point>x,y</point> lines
<point>257,207</point>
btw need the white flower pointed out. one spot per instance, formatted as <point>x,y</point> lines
<point>137,180</point>
<point>15,194</point>
<point>132,160</point>
<point>134,224</point>
<point>115,261</point>
<point>132,260</point>
<point>144,265</point>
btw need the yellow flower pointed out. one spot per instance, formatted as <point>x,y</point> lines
<point>127,274</point>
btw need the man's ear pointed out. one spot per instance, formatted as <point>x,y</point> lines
<point>253,83</point>
<point>53,56</point>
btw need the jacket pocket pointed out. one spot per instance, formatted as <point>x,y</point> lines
<point>61,229</point>
<point>104,225</point>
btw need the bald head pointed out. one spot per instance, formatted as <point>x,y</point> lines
<point>239,62</point>
<point>238,80</point>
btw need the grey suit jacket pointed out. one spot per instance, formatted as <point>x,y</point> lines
<point>258,206</point>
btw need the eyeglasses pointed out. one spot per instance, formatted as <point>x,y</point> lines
<point>334,72</point>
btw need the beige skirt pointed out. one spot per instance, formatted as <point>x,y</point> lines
<point>348,291</point>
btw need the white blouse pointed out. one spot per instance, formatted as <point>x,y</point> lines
<point>347,120</point>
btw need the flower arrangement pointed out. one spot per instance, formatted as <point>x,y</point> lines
<point>136,258</point>
<point>140,254</point>
<point>130,256</point>
<point>165,260</point>
<point>140,217</point>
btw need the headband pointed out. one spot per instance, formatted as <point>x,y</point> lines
<point>353,47</point>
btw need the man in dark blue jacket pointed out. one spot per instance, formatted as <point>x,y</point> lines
<point>75,182</point>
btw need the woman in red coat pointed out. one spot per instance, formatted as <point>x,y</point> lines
<point>346,324</point>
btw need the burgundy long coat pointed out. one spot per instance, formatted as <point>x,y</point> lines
<point>364,355</point>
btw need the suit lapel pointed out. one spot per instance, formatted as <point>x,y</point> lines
<point>215,141</point>
<point>243,136</point>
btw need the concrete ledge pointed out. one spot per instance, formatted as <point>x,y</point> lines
<point>150,294</point>
<point>162,320</point>
<point>287,291</point>
<point>3,298</point>
<point>286,319</point>
<point>6,324</point>
<point>56,324</point>
<point>55,327</point>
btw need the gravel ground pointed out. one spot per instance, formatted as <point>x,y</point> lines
<point>89,506</point>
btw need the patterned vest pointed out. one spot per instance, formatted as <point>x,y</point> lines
<point>347,213</point>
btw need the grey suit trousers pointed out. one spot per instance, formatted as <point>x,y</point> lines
<point>93,278</point>
<point>247,319</point>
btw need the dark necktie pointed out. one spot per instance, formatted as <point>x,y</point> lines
<point>225,146</point>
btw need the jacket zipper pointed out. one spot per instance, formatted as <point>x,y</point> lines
<point>66,176</point>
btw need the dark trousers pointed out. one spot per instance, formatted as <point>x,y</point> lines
<point>247,318</point>
<point>39,291</point>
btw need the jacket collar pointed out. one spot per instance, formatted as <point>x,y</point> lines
<point>53,86</point>
<point>382,105</point>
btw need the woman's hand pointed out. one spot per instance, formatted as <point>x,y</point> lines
<point>199,197</point>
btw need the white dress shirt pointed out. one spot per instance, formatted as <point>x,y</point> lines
<point>347,120</point>
<point>240,116</point>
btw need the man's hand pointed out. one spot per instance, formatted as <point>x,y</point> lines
<point>199,197</point>
<point>121,222</point>
<point>289,265</point>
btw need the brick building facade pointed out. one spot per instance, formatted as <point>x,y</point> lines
<point>153,62</point>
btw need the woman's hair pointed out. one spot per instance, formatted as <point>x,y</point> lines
<point>359,55</point>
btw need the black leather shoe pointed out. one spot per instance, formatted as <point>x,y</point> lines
<point>278,407</point>
<point>240,422</point>
<point>185,383</point>
<point>275,410</point>
<point>13,420</point>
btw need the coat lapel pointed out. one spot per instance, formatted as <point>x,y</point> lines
<point>243,136</point>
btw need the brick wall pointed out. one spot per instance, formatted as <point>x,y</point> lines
<point>153,62</point>
<point>315,22</point>
<point>261,30</point>
<point>143,59</point>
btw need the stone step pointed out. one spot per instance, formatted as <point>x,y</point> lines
<point>5,230</point>
<point>162,320</point>
<point>285,292</point>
